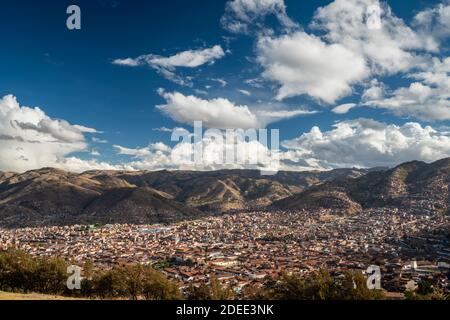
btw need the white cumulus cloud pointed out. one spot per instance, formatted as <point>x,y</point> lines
<point>166,66</point>
<point>29,139</point>
<point>344,108</point>
<point>214,113</point>
<point>221,113</point>
<point>368,143</point>
<point>434,23</point>
<point>389,49</point>
<point>243,15</point>
<point>304,64</point>
<point>426,98</point>
<point>215,151</point>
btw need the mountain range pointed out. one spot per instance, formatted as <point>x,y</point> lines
<point>55,197</point>
<point>418,186</point>
<point>52,196</point>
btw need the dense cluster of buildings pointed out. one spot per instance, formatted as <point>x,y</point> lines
<point>245,248</point>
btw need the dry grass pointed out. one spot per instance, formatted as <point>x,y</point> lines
<point>31,296</point>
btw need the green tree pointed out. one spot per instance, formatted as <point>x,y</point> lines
<point>201,292</point>
<point>219,292</point>
<point>50,275</point>
<point>156,286</point>
<point>354,287</point>
<point>213,291</point>
<point>292,287</point>
<point>427,291</point>
<point>17,271</point>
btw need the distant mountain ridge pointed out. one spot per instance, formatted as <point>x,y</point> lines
<point>415,185</point>
<point>53,196</point>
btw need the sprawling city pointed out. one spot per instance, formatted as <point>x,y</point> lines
<point>245,248</point>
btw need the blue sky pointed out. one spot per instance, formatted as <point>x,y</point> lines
<point>275,64</point>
